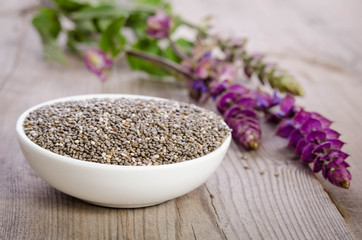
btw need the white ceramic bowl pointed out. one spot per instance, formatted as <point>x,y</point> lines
<point>114,185</point>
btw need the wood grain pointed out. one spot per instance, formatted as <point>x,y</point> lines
<point>265,194</point>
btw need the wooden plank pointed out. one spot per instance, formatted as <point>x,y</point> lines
<point>319,42</point>
<point>265,196</point>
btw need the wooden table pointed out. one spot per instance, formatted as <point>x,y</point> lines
<point>319,42</point>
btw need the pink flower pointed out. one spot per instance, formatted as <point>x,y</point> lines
<point>158,26</point>
<point>98,63</point>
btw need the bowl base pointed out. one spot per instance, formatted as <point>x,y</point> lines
<point>123,205</point>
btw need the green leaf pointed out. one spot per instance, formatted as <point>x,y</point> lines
<point>103,11</point>
<point>150,2</point>
<point>76,36</point>
<point>104,23</point>
<point>185,45</point>
<point>69,6</point>
<point>72,42</point>
<point>112,39</point>
<point>149,46</point>
<point>137,22</point>
<point>171,55</point>
<point>47,23</point>
<point>80,36</point>
<point>53,52</point>
<point>85,26</point>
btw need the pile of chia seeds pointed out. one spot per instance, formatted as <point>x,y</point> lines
<point>126,131</point>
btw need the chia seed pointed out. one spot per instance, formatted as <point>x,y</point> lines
<point>126,131</point>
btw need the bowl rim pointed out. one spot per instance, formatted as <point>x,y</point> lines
<point>21,134</point>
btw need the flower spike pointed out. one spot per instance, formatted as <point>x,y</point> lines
<point>316,143</point>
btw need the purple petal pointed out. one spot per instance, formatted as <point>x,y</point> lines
<point>287,104</point>
<point>337,162</point>
<point>250,138</point>
<point>248,112</point>
<point>316,137</point>
<point>199,86</point>
<point>340,177</point>
<point>252,121</point>
<point>310,125</point>
<point>242,132</point>
<point>322,149</point>
<point>263,99</point>
<point>318,163</point>
<point>335,143</point>
<point>224,101</point>
<point>285,128</point>
<point>325,123</point>
<point>217,88</point>
<point>276,98</point>
<point>294,138</point>
<point>300,118</point>
<point>335,153</point>
<point>238,89</point>
<point>307,154</point>
<point>331,134</point>
<point>231,113</point>
<point>246,102</point>
<point>243,119</point>
<point>300,146</point>
<point>240,129</point>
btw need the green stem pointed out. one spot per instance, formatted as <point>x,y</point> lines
<point>161,61</point>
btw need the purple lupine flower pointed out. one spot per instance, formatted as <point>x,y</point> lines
<point>97,62</point>
<point>158,26</point>
<point>309,134</point>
